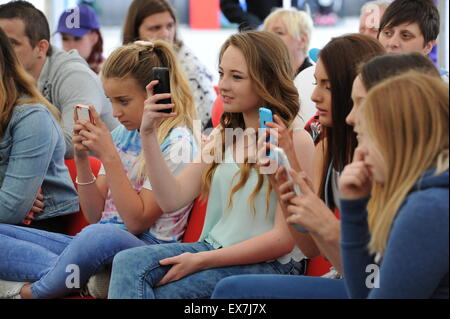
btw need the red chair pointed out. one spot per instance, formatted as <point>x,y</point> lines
<point>217,109</point>
<point>195,223</point>
<point>76,222</point>
<point>319,266</point>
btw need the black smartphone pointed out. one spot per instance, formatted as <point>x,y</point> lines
<point>163,76</point>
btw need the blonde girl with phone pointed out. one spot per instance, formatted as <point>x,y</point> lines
<point>119,203</point>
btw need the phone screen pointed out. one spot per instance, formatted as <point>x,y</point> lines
<point>83,114</point>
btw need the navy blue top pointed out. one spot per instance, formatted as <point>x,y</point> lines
<point>416,260</point>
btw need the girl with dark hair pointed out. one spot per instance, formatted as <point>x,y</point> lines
<point>149,20</point>
<point>377,70</point>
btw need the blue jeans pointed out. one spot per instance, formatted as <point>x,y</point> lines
<point>48,259</point>
<point>279,287</point>
<point>136,272</point>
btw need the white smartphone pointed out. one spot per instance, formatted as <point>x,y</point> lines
<point>83,113</point>
<point>283,160</point>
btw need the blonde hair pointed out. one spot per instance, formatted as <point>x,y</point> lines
<point>368,6</point>
<point>136,60</point>
<point>272,75</point>
<point>17,86</point>
<point>406,119</point>
<point>297,23</point>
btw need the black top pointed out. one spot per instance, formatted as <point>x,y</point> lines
<point>257,11</point>
<point>306,64</point>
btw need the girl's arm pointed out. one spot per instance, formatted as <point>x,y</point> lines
<point>421,227</point>
<point>401,273</point>
<point>91,192</point>
<point>302,240</point>
<point>92,196</point>
<point>141,217</point>
<point>299,148</point>
<point>355,238</point>
<point>270,245</point>
<point>312,213</point>
<point>136,210</point>
<point>33,143</point>
<point>171,193</point>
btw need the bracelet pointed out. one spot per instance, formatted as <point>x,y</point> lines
<point>85,184</point>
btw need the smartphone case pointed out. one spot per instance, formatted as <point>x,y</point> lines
<point>163,76</point>
<point>84,108</point>
<point>265,115</point>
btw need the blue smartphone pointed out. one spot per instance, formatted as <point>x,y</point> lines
<point>265,115</point>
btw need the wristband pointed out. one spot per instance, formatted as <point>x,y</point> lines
<point>85,184</point>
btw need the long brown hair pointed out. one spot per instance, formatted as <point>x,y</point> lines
<point>96,58</point>
<point>141,9</point>
<point>16,84</point>
<point>406,120</point>
<point>271,73</point>
<point>341,57</point>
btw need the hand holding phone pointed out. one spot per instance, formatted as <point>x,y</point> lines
<point>265,115</point>
<point>82,112</point>
<point>283,160</point>
<point>162,75</point>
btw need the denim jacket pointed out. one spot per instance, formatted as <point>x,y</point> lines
<point>32,157</point>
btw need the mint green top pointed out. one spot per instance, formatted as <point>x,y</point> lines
<point>225,226</point>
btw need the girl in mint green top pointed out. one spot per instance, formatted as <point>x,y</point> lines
<point>244,231</point>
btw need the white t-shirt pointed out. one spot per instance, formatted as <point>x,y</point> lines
<point>305,86</point>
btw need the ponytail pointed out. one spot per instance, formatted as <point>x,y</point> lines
<point>136,60</point>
